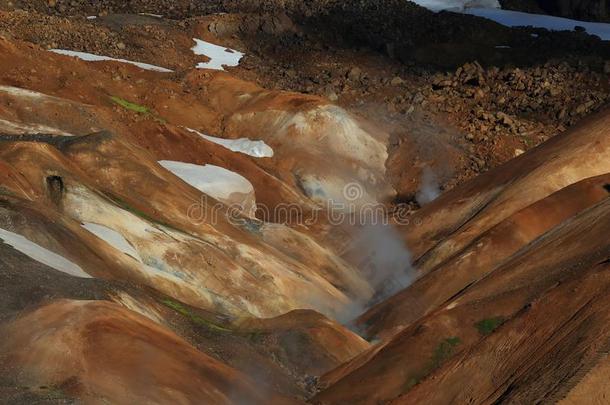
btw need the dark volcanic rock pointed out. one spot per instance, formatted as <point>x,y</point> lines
<point>591,10</point>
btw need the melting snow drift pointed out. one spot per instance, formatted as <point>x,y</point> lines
<point>219,55</point>
<point>113,238</point>
<point>456,5</point>
<point>258,149</point>
<point>41,254</point>
<point>491,10</point>
<point>215,181</point>
<point>519,19</point>
<point>89,57</point>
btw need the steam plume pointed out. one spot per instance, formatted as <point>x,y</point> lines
<point>429,190</point>
<point>381,254</point>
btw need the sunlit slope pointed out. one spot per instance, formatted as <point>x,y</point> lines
<point>482,256</point>
<point>489,253</point>
<point>564,268</point>
<point>454,220</point>
<point>84,345</point>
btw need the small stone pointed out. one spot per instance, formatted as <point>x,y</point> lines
<point>354,74</point>
<point>396,81</point>
<point>418,98</point>
<point>332,96</point>
<point>480,163</point>
<point>581,109</point>
<point>504,119</point>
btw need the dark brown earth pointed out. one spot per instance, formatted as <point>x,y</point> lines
<point>587,10</point>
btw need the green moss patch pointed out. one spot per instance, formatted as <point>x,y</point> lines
<point>140,109</point>
<point>52,393</point>
<point>256,336</point>
<point>194,318</point>
<point>488,325</point>
<point>442,352</point>
<point>128,105</point>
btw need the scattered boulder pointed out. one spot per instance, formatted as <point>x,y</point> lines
<point>396,81</point>
<point>354,74</point>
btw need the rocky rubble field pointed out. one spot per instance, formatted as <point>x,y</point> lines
<point>588,10</point>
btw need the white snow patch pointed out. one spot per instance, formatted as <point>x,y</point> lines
<point>519,19</point>
<point>91,17</point>
<point>89,57</point>
<point>258,149</point>
<point>219,55</point>
<point>113,238</point>
<point>456,5</point>
<point>41,255</point>
<point>215,181</point>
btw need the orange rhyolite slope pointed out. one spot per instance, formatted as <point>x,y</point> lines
<point>147,291</point>
<point>500,260</point>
